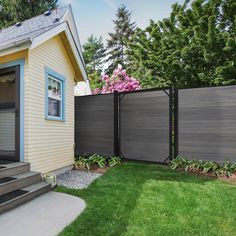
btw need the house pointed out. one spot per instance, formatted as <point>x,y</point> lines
<point>40,62</point>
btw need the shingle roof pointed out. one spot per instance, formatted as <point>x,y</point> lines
<point>32,27</point>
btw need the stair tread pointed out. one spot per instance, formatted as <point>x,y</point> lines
<point>20,177</point>
<point>22,192</point>
<point>36,186</point>
<point>13,165</point>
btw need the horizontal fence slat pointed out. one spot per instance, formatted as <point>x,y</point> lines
<point>207,123</point>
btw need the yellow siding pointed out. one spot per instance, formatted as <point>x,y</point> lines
<point>14,56</point>
<point>49,145</point>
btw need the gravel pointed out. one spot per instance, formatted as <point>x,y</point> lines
<point>76,179</point>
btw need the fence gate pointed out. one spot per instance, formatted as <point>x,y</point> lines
<point>146,125</point>
<point>135,125</point>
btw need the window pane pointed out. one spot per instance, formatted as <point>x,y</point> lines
<point>54,107</point>
<point>54,88</point>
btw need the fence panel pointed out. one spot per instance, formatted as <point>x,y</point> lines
<point>207,123</point>
<point>94,124</point>
<point>145,125</point>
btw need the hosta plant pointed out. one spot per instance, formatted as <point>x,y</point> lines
<point>227,169</point>
<point>114,161</point>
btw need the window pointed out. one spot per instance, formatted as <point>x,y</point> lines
<point>55,96</point>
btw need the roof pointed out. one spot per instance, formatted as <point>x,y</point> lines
<point>32,27</point>
<point>34,31</point>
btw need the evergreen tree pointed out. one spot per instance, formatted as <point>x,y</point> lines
<point>14,11</point>
<point>94,53</point>
<point>194,46</point>
<point>117,43</point>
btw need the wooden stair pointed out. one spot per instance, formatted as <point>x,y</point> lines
<point>19,185</point>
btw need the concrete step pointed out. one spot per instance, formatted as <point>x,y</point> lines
<point>18,197</point>
<point>15,182</point>
<point>7,170</point>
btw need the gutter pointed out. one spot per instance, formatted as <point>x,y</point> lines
<point>20,43</point>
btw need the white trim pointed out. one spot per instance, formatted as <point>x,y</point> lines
<point>63,27</point>
<point>70,13</point>
<point>14,48</point>
<point>36,41</point>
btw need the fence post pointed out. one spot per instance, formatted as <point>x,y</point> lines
<point>116,124</point>
<point>170,123</point>
<point>176,122</point>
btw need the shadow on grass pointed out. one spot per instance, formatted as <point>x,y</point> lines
<point>112,198</point>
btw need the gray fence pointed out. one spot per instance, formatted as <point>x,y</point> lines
<point>139,125</point>
<point>145,125</point>
<point>94,125</point>
<point>207,123</point>
<point>134,125</point>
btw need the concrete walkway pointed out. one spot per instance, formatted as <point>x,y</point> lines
<point>46,215</point>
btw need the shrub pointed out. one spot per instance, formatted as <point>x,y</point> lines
<point>86,162</point>
<point>204,167</point>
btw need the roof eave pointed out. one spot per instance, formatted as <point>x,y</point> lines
<point>63,27</point>
<point>15,47</point>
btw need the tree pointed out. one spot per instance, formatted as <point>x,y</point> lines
<point>117,43</point>
<point>14,11</point>
<point>119,81</point>
<point>94,53</point>
<point>194,46</point>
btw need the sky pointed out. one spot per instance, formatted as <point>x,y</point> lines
<point>95,16</point>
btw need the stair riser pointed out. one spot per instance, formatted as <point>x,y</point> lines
<point>14,171</point>
<point>18,184</point>
<point>23,199</point>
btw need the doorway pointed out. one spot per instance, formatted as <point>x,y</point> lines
<point>10,114</point>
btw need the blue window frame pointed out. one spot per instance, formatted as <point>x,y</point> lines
<point>55,95</point>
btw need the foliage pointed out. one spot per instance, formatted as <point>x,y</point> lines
<point>14,11</point>
<point>117,43</point>
<point>86,162</point>
<point>95,80</point>
<point>147,199</point>
<point>119,81</point>
<point>94,53</point>
<point>194,46</point>
<point>226,169</point>
<point>114,161</point>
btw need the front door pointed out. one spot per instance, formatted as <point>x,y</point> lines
<point>9,113</point>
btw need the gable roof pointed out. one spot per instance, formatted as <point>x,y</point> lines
<point>34,31</point>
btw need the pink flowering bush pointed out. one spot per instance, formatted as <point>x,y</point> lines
<point>119,81</point>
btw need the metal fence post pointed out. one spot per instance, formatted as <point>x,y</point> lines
<point>116,124</point>
<point>171,123</point>
<point>176,122</point>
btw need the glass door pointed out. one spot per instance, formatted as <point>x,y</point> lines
<point>8,114</point>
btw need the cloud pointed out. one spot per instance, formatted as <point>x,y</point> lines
<point>110,3</point>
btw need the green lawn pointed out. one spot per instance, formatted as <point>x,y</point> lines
<point>145,199</point>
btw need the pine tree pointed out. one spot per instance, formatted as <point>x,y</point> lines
<point>94,53</point>
<point>19,10</point>
<point>117,43</point>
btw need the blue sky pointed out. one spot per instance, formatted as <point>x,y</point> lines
<point>95,16</point>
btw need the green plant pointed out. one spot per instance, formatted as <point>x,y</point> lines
<point>227,169</point>
<point>179,163</point>
<point>114,161</point>
<point>209,166</point>
<point>86,162</point>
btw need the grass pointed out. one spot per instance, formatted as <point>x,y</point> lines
<point>144,199</point>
